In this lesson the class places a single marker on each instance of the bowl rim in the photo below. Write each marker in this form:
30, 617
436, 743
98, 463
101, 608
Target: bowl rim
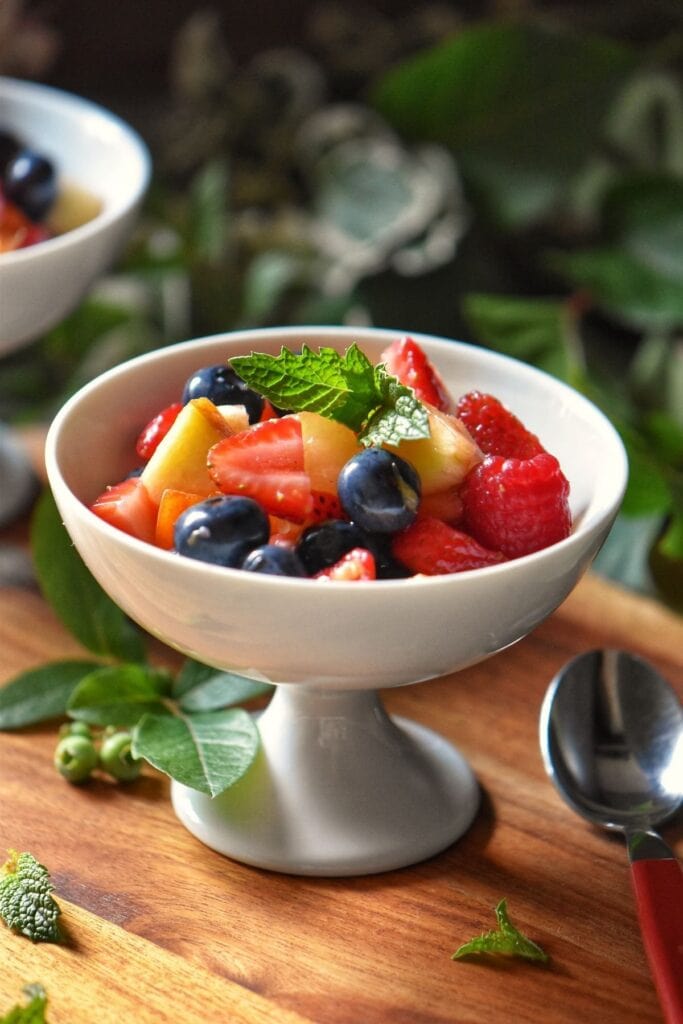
600, 518
60, 99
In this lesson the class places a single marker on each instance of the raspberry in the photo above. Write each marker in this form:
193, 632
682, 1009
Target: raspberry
433, 548
517, 505
496, 430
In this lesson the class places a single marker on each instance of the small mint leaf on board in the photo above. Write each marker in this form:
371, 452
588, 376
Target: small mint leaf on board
506, 940
208, 751
76, 597
199, 687
400, 417
32, 1012
41, 693
119, 695
26, 903
341, 387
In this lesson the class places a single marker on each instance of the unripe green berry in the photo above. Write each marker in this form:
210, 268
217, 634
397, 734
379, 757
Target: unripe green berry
75, 729
75, 757
116, 757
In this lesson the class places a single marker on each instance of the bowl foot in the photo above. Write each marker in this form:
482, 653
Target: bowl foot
338, 788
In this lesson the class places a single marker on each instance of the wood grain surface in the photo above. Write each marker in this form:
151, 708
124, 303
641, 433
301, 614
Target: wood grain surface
161, 928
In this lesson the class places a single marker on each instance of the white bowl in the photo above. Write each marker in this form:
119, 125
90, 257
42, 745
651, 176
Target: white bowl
91, 147
324, 735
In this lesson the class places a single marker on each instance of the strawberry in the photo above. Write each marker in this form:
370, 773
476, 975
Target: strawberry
433, 548
408, 362
157, 428
265, 462
128, 506
517, 505
496, 430
356, 564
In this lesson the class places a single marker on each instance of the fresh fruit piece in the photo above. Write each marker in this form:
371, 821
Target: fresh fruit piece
327, 446
433, 548
444, 505
443, 459
284, 532
179, 462
172, 504
322, 546
157, 428
236, 416
496, 430
221, 530
30, 183
221, 385
274, 560
357, 564
129, 507
407, 361
266, 462
16, 230
73, 207
379, 491
517, 505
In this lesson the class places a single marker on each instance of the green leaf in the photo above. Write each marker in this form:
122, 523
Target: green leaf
401, 417
208, 218
26, 903
76, 597
202, 688
537, 331
671, 544
647, 490
627, 289
644, 215
208, 751
41, 693
624, 555
506, 940
119, 695
32, 1012
533, 119
341, 387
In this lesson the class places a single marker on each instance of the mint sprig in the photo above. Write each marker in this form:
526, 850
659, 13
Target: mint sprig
344, 387
26, 903
505, 940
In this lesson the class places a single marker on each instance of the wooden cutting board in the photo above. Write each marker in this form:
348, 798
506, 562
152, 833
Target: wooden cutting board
162, 929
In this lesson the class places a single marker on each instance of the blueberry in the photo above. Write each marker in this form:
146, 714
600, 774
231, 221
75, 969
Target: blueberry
379, 491
221, 530
322, 546
9, 147
223, 387
31, 184
275, 560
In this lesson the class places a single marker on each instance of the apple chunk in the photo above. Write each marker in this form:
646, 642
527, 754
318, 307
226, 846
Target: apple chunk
443, 459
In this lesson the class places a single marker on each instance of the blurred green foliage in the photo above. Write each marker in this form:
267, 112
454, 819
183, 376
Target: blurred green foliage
515, 183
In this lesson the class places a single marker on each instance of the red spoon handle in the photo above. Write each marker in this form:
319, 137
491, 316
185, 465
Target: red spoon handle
658, 887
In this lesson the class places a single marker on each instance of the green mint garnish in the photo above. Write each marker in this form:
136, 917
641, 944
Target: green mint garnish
346, 388
26, 903
506, 940
32, 1012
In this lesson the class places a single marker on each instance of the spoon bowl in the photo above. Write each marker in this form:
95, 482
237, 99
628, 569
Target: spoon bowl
611, 733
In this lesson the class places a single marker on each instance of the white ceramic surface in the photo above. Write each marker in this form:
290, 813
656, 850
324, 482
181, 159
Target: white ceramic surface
93, 148
333, 638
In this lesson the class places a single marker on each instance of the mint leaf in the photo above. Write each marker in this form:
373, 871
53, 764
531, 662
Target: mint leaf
41, 693
26, 903
119, 695
199, 687
341, 387
32, 1012
208, 751
506, 940
76, 597
400, 417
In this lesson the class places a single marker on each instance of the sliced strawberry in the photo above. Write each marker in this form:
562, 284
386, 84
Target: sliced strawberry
157, 428
269, 412
129, 507
407, 361
326, 506
433, 548
356, 564
517, 505
265, 463
496, 430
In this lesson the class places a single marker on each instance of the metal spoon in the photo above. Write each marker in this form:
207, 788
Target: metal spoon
611, 733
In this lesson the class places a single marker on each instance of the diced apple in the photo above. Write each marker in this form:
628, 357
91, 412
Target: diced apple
236, 416
179, 463
444, 458
328, 445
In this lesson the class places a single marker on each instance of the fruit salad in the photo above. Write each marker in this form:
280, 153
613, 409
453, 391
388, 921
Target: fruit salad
33, 207
323, 465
